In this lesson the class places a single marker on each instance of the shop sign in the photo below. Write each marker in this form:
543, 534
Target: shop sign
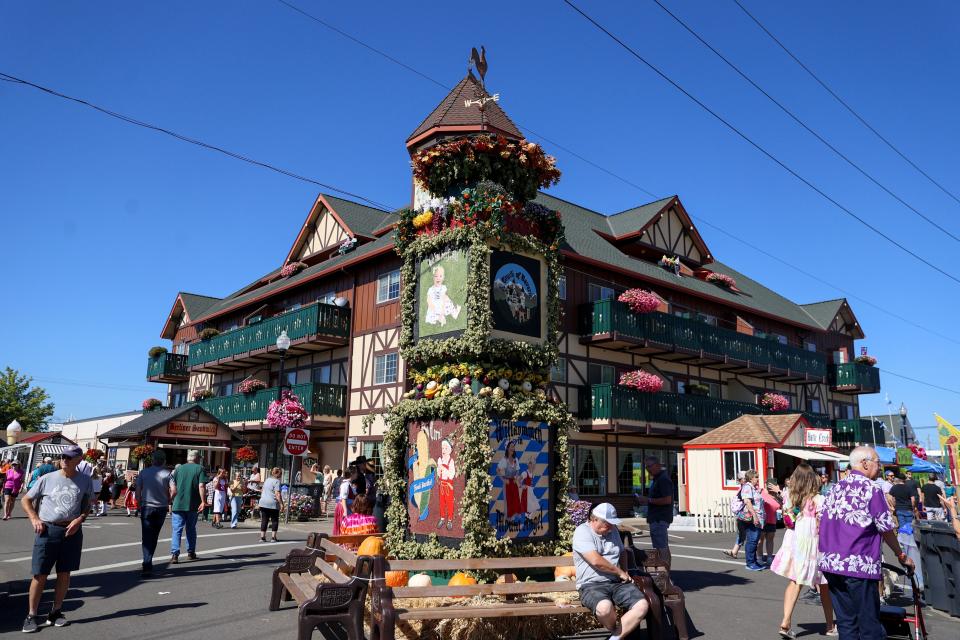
203, 429
295, 441
818, 438
904, 457
520, 500
435, 479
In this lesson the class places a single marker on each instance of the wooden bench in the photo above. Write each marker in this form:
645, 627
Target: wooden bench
651, 563
321, 603
386, 616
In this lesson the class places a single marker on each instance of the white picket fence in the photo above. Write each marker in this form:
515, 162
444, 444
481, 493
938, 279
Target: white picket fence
718, 519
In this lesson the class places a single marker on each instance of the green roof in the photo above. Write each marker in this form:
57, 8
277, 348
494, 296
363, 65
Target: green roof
824, 312
362, 219
196, 305
636, 218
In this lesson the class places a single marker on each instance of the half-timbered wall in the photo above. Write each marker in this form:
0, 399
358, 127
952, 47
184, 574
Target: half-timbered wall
326, 233
365, 395
672, 236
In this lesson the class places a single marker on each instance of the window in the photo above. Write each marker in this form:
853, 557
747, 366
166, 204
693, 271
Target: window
385, 368
562, 287
706, 318
733, 463
850, 412
588, 474
629, 470
177, 399
558, 372
226, 389
321, 374
254, 319
597, 292
813, 406
810, 346
372, 452
600, 374
181, 348
388, 286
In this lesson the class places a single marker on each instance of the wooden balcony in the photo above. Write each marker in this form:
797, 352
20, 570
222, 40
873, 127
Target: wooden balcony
167, 367
849, 433
854, 378
316, 327
612, 325
322, 402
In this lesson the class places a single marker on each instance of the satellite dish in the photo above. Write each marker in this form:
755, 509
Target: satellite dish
340, 302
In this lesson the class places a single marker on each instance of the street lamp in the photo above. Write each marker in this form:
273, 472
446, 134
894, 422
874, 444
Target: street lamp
903, 424
283, 343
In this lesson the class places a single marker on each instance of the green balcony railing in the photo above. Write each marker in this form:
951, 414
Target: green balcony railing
318, 399
612, 402
855, 377
608, 316
167, 365
854, 431
818, 420
316, 319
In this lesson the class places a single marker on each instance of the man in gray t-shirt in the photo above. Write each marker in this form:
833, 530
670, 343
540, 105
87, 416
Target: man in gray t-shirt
602, 579
153, 494
57, 505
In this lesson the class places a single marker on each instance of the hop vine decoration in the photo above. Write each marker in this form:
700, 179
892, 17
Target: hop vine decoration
287, 412
641, 381
774, 402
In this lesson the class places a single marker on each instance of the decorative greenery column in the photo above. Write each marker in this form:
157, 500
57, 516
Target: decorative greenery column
475, 455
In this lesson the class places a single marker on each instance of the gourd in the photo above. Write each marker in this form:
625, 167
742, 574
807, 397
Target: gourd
565, 572
420, 580
372, 546
398, 578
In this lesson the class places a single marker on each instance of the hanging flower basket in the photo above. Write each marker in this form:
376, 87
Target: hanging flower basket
287, 412
156, 352
774, 402
208, 333
92, 455
291, 268
202, 394
251, 385
867, 360
918, 451
143, 451
245, 453
151, 403
641, 381
722, 280
641, 300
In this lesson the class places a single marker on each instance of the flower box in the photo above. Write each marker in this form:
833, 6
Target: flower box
775, 402
641, 381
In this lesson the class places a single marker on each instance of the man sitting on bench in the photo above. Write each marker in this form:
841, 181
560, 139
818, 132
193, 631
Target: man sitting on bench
602, 579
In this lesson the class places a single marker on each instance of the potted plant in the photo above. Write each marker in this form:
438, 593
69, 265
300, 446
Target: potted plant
286, 412
870, 361
251, 385
698, 389
142, 451
641, 381
208, 333
774, 402
202, 394
721, 279
348, 245
670, 264
156, 352
640, 300
291, 268
150, 404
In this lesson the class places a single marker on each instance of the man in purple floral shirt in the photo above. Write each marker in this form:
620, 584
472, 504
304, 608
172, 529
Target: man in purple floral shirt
855, 519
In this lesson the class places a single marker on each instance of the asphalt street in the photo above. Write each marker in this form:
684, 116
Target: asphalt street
224, 593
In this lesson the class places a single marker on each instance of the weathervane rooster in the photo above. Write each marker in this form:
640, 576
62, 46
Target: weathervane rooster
478, 61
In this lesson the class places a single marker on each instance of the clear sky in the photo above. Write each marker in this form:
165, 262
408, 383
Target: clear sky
104, 222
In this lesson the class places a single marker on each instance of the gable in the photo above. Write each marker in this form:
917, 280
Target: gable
672, 233
327, 232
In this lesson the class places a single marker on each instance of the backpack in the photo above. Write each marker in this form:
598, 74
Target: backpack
736, 503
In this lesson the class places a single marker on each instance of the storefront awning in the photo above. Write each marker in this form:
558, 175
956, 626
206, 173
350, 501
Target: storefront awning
204, 447
52, 450
807, 454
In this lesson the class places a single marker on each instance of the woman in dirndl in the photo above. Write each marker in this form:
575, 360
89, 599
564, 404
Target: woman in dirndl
344, 500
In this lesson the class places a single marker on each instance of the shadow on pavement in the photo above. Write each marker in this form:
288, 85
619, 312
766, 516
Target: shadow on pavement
691, 581
144, 611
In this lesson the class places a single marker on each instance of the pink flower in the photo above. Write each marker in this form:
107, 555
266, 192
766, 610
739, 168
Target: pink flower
286, 412
291, 268
640, 300
722, 279
774, 402
865, 359
250, 385
641, 381
150, 404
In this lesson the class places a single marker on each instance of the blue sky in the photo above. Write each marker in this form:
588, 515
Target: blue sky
104, 222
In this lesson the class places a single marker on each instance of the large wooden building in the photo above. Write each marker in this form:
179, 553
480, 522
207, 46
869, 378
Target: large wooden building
719, 341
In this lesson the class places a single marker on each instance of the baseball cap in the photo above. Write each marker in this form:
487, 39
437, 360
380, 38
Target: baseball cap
16, 462
606, 511
48, 459
71, 452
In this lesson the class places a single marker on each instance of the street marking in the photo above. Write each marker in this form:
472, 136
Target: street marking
137, 544
687, 546
677, 555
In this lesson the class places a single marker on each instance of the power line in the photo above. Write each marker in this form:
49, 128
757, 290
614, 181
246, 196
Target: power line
803, 124
847, 106
400, 63
758, 147
442, 85
95, 385
928, 384
194, 141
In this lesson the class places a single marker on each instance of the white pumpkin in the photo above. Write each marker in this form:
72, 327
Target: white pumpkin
419, 580
454, 384
498, 392
504, 384
526, 386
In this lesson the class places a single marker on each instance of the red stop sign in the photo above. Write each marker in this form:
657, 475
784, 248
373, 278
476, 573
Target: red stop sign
295, 441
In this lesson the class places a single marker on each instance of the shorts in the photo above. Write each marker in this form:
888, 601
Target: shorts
770, 527
10, 492
53, 548
658, 535
622, 594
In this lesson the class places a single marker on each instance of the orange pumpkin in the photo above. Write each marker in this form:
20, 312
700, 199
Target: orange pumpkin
372, 546
565, 572
461, 579
397, 578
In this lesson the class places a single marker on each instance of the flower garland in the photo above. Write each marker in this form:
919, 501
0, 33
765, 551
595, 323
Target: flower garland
287, 412
521, 167
641, 381
150, 404
245, 453
142, 451
867, 360
291, 268
774, 402
640, 300
250, 385
721, 279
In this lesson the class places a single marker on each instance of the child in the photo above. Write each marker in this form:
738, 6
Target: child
439, 304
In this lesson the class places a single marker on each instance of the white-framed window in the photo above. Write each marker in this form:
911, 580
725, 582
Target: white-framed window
735, 462
385, 368
587, 466
815, 406
558, 372
600, 373
388, 286
562, 287
599, 292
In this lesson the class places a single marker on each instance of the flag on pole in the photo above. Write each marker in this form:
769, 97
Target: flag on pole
950, 445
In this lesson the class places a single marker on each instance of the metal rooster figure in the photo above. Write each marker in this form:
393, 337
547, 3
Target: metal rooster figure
478, 61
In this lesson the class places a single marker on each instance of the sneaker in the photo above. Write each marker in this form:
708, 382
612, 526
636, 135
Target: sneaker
146, 571
756, 567
833, 633
56, 619
274, 540
192, 555
30, 624
175, 558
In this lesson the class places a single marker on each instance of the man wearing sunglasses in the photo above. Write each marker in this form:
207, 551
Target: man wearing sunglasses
57, 504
